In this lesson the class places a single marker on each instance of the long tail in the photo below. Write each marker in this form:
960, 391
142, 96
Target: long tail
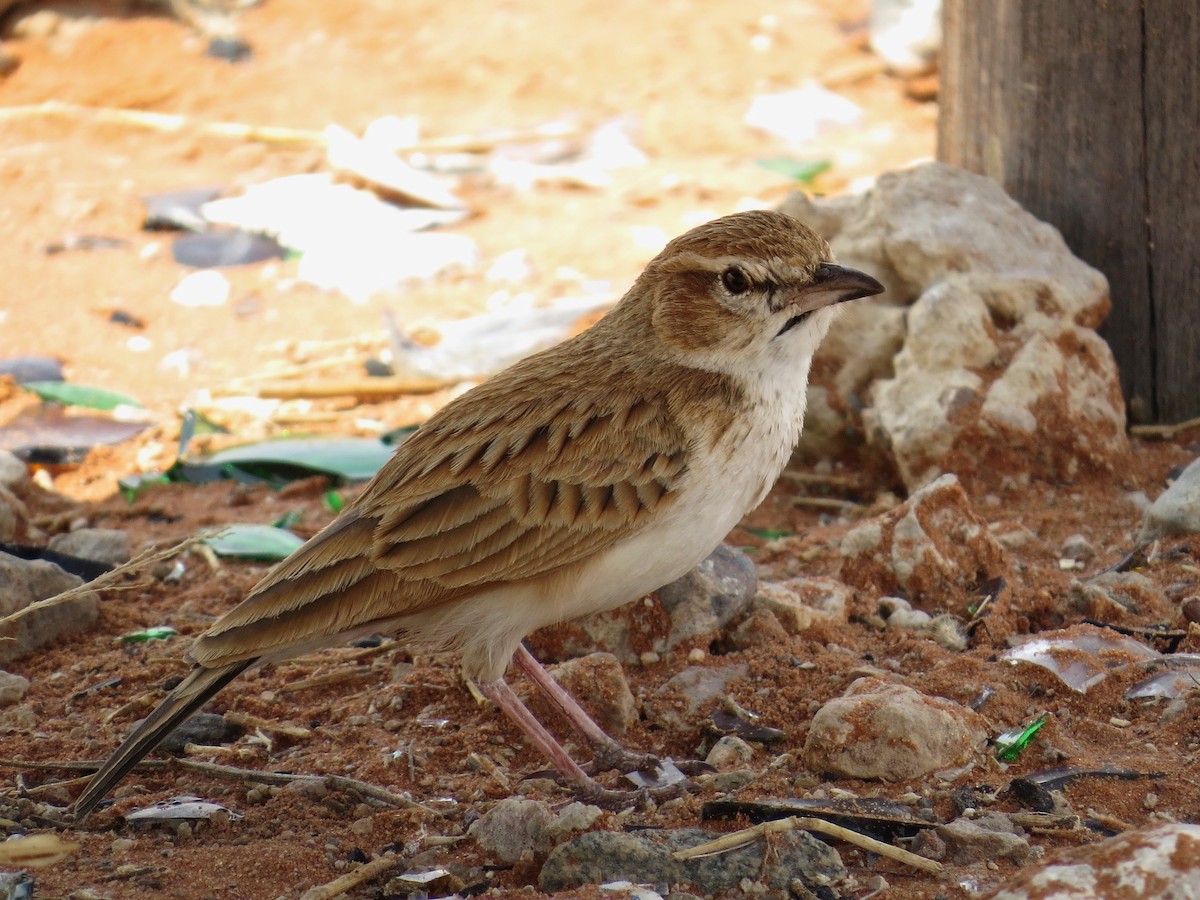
192, 693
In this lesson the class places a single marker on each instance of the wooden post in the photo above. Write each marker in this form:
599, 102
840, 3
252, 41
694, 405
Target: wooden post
1088, 113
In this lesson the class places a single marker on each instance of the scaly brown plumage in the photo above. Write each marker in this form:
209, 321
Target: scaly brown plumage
576, 480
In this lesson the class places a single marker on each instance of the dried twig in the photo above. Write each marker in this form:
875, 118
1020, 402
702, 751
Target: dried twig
826, 503
108, 581
337, 676
339, 886
736, 839
1163, 432
269, 134
360, 389
846, 481
233, 773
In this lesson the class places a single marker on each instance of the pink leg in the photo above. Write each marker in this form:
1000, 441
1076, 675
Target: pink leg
586, 786
560, 699
608, 753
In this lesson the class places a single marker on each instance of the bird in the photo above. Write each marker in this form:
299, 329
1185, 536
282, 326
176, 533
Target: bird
578, 479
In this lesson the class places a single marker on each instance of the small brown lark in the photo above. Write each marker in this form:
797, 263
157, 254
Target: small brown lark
575, 481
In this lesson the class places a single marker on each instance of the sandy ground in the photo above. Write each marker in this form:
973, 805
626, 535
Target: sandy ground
685, 73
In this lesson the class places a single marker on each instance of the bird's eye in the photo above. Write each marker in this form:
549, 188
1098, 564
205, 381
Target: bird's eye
735, 280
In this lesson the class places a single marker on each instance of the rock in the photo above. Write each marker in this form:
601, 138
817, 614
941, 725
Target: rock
24, 369
1112, 596
699, 604
707, 598
14, 517
890, 732
933, 549
13, 688
599, 857
730, 782
1161, 862
1177, 509
760, 628
859, 350
695, 690
571, 818
1047, 401
14, 474
799, 604
207, 729
26, 581
907, 34
1001, 369
203, 288
105, 545
598, 682
945, 629
988, 837
729, 753
1078, 548
514, 829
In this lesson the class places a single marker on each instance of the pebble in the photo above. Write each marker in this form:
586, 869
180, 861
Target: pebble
13, 688
891, 732
598, 682
208, 729
729, 752
985, 837
514, 829
599, 857
104, 545
26, 581
1159, 862
203, 288
1078, 549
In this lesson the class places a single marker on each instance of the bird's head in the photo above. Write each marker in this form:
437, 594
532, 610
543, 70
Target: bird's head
754, 288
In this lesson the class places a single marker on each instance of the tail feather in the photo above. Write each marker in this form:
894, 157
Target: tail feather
192, 693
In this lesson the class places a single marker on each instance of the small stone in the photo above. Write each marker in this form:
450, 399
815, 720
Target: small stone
203, 288
105, 545
760, 629
514, 829
731, 782
933, 549
598, 682
120, 845
974, 841
572, 818
1159, 862
1177, 509
27, 581
696, 689
208, 729
1191, 609
729, 752
599, 857
1150, 801
363, 826
14, 474
13, 688
1078, 548
802, 603
891, 732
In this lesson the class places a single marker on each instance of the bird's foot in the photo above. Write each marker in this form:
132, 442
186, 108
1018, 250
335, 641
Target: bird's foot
610, 798
612, 757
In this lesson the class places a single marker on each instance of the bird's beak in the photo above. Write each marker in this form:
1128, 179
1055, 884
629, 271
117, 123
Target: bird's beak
835, 284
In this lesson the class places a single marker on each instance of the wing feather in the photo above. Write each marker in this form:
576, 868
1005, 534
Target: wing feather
499, 487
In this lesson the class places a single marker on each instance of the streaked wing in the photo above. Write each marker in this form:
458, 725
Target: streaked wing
502, 490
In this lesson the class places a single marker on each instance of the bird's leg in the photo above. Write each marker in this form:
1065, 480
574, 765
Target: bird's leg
586, 786
607, 753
